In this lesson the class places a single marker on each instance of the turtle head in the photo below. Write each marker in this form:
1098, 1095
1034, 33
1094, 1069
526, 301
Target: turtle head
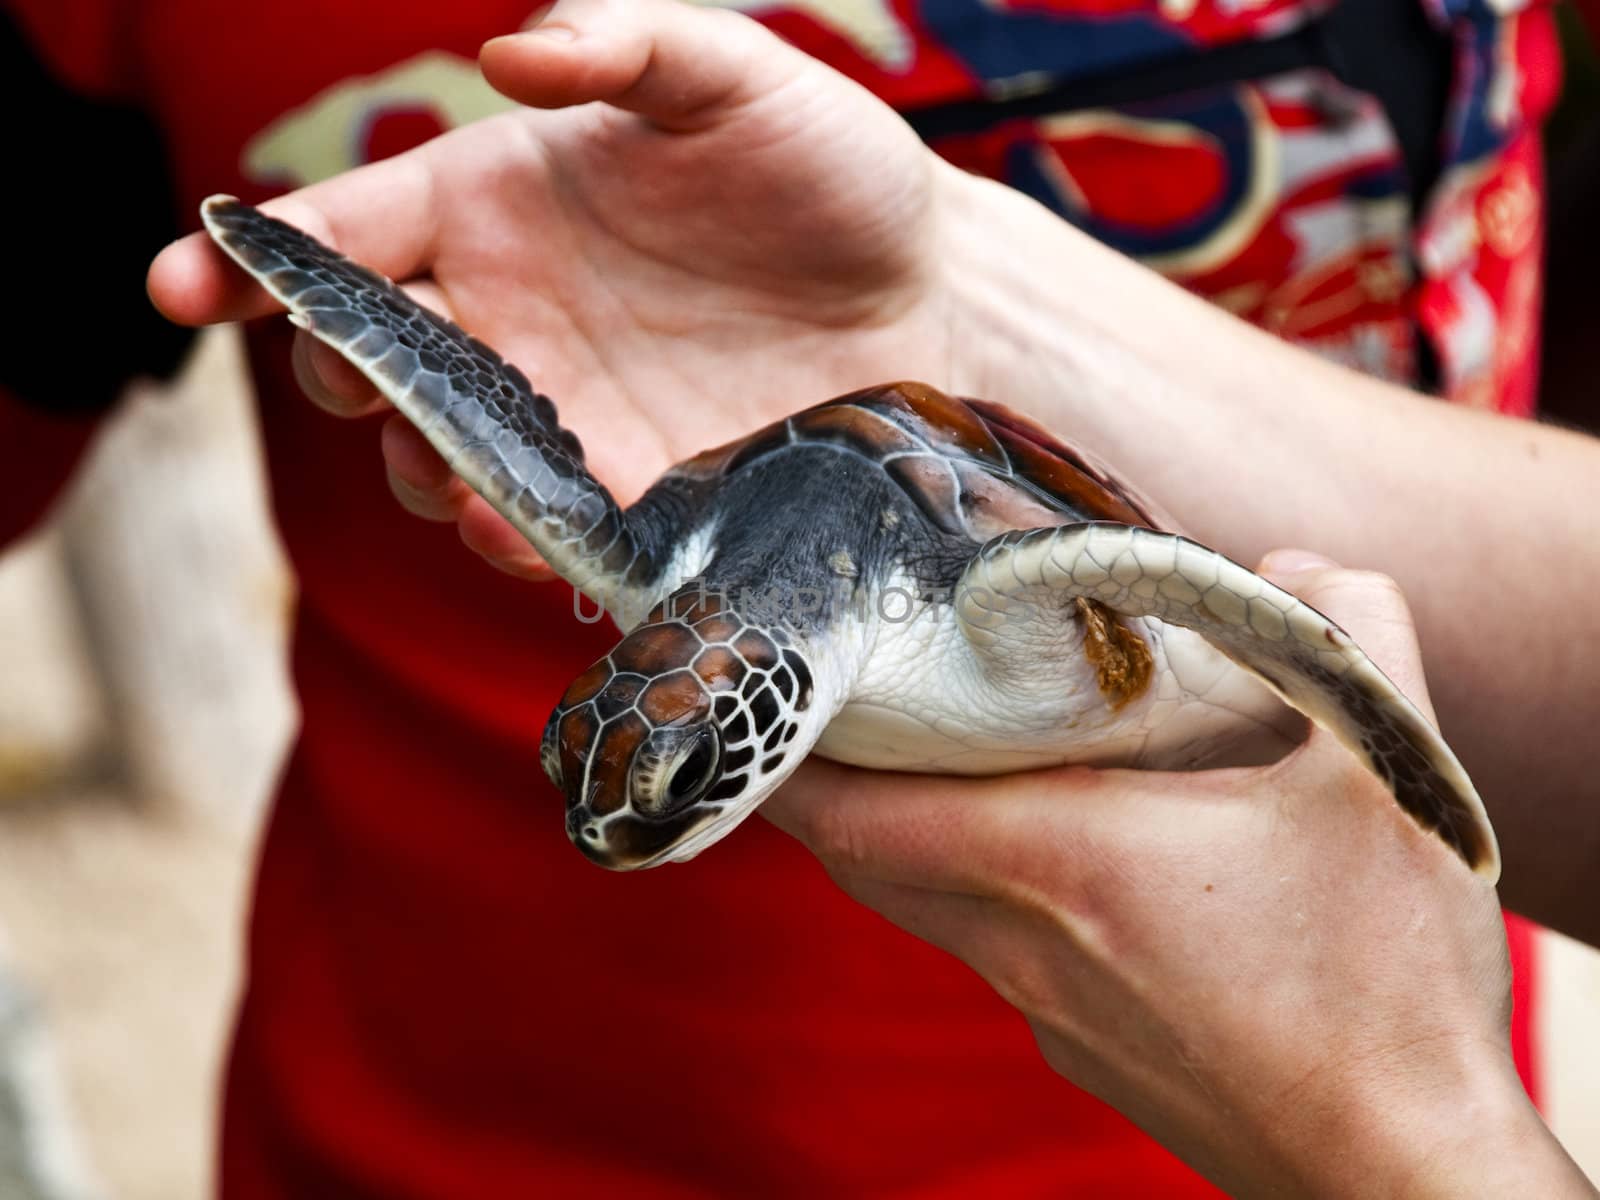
673, 738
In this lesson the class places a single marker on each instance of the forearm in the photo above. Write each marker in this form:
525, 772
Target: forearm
1471, 1132
1487, 524
1499, 1148
1472, 1135
1463, 1144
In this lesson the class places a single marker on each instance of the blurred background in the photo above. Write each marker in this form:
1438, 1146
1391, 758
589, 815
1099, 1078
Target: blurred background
144, 713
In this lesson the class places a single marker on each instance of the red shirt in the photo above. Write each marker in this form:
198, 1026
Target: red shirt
444, 999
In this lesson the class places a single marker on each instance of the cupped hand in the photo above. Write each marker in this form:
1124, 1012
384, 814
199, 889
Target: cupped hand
694, 230
1272, 970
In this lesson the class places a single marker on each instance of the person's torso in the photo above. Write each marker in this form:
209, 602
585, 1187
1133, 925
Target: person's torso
445, 998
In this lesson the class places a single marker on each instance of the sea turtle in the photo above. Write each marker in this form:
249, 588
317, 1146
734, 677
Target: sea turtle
895, 578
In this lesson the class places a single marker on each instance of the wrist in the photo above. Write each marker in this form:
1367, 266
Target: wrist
1009, 268
1144, 375
1055, 320
1439, 1128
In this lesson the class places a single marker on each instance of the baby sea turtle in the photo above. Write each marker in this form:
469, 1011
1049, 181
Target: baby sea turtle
894, 578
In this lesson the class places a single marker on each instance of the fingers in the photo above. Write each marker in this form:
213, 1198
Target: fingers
425, 485
418, 476
680, 65
330, 382
489, 534
384, 215
929, 831
862, 823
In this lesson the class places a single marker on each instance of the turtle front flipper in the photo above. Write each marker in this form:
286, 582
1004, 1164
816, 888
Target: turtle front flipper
1303, 656
476, 409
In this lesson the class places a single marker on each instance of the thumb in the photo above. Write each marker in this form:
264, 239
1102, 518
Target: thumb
1368, 605
678, 64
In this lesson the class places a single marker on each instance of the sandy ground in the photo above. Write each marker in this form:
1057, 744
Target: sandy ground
126, 926
123, 875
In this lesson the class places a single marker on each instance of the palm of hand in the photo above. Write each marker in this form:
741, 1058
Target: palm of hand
675, 289
696, 231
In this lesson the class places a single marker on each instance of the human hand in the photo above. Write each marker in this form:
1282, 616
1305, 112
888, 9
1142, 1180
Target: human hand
1271, 969
735, 233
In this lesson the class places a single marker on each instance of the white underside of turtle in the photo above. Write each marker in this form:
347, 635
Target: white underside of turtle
926, 700
895, 579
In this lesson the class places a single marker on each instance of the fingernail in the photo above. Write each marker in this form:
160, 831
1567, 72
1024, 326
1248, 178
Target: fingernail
553, 33
1290, 561
310, 379
535, 569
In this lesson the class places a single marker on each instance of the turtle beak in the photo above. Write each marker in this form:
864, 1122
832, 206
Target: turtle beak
626, 842
588, 835
588, 832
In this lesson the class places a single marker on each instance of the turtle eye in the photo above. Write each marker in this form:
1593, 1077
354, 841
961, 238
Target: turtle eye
693, 773
677, 768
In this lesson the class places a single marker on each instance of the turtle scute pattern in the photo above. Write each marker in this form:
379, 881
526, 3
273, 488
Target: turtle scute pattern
692, 655
479, 411
971, 468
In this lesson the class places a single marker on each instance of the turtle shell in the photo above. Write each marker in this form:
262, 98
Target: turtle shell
974, 468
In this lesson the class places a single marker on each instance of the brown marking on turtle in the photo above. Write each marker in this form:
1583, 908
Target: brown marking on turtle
1044, 460
585, 686
620, 694
709, 464
718, 627
949, 423
756, 649
1068, 481
771, 438
576, 735
856, 426
719, 668
673, 698
618, 741
655, 649
941, 449
931, 484
1121, 660
1419, 790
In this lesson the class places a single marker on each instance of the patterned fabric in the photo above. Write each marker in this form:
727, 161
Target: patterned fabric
1284, 199
1480, 245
